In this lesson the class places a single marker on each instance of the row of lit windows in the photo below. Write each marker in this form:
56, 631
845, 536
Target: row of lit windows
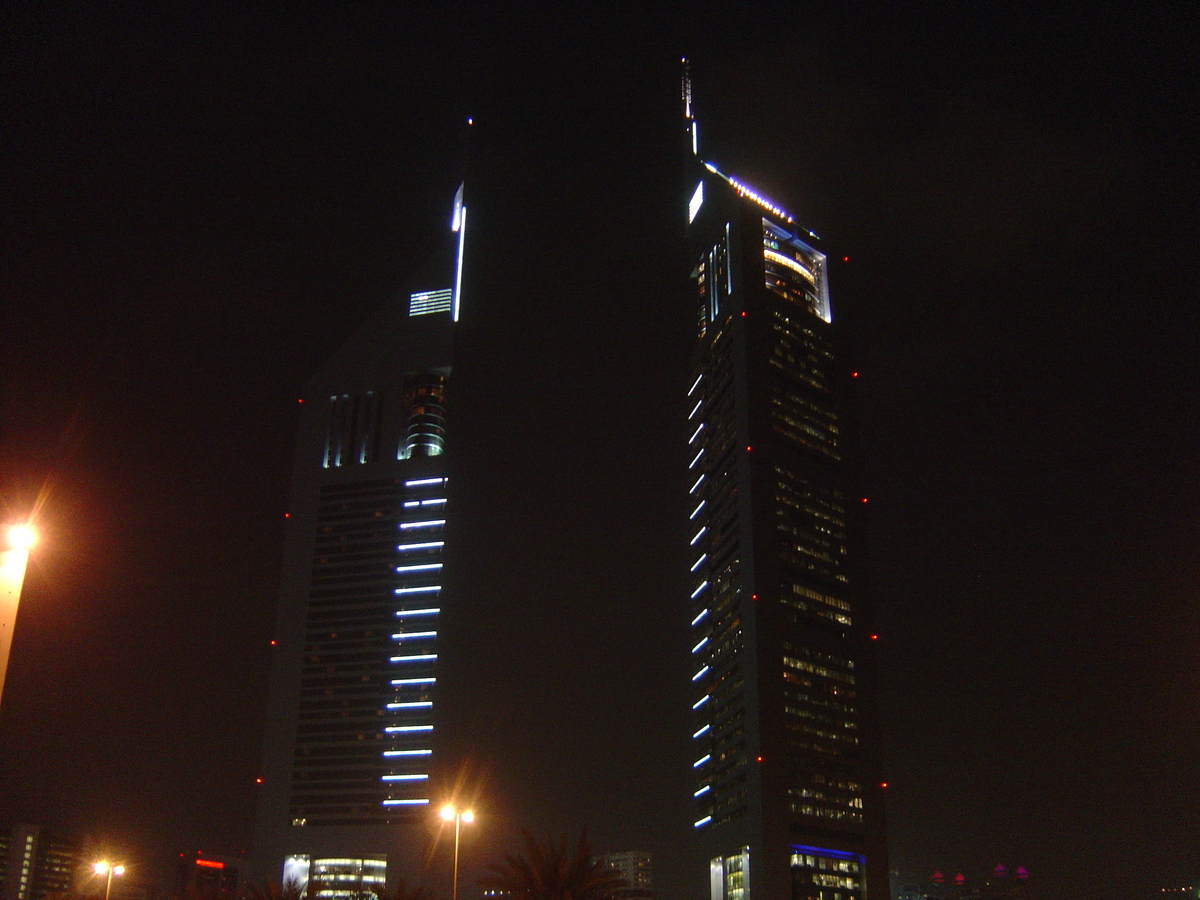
825, 812
838, 700
803, 665
809, 794
797, 712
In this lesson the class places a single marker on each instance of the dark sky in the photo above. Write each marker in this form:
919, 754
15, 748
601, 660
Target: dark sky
199, 205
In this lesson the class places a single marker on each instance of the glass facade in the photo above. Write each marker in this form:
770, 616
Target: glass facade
784, 732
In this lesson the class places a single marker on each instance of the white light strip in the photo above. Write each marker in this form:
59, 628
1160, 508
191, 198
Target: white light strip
423, 481
462, 236
394, 729
692, 489
700, 616
431, 611
428, 523
423, 567
418, 658
416, 704
696, 592
400, 681
695, 409
699, 703
701, 761
696, 511
728, 269
404, 778
696, 433
698, 563
701, 731
427, 589
703, 822
703, 671
427, 545
695, 384
699, 534
703, 641
704, 790
413, 635
694, 461
407, 752
418, 802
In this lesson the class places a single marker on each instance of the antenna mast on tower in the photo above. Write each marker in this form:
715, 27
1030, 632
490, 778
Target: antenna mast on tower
689, 121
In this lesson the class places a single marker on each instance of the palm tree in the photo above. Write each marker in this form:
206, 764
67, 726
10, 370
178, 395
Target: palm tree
549, 871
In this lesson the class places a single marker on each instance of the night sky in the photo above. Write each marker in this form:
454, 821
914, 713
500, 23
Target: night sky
200, 204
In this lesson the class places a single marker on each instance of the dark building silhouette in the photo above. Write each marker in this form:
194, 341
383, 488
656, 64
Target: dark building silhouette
788, 796
209, 877
349, 736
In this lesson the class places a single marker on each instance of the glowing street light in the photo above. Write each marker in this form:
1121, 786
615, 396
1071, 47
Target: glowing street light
14, 557
104, 867
459, 816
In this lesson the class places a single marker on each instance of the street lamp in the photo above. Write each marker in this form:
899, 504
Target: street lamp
14, 557
104, 867
449, 811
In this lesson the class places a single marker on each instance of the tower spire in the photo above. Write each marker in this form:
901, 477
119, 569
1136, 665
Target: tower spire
689, 121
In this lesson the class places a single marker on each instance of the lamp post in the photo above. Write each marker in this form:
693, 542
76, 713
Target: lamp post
104, 867
459, 816
14, 557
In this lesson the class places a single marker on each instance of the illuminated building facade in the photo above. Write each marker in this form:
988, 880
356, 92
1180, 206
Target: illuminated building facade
349, 736
636, 872
37, 863
785, 754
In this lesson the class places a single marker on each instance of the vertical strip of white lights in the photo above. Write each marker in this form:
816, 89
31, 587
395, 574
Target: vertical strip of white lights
462, 237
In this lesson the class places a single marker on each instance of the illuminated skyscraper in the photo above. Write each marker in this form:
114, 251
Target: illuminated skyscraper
349, 737
789, 804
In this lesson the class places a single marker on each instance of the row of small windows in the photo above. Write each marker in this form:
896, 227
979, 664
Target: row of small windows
826, 812
825, 863
829, 695
793, 594
817, 662
793, 421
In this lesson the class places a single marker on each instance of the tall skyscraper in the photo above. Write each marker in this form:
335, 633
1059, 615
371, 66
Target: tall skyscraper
37, 863
789, 804
351, 711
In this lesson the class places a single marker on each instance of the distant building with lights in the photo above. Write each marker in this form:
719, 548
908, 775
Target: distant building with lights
215, 877
37, 862
785, 751
346, 779
635, 870
1001, 883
